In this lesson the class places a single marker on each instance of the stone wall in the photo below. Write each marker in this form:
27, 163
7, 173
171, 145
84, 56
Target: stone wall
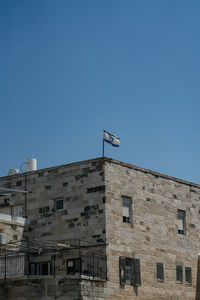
152, 235
92, 212
52, 288
12, 228
79, 185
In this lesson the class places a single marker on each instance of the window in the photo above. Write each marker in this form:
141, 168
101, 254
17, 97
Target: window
59, 204
43, 210
188, 275
181, 221
160, 272
47, 187
179, 274
129, 271
43, 268
126, 209
73, 266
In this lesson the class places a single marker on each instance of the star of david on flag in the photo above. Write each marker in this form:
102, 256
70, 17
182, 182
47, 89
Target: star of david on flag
111, 139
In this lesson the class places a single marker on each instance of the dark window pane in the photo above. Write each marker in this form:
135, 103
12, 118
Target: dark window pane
73, 266
137, 273
188, 275
179, 274
59, 204
160, 271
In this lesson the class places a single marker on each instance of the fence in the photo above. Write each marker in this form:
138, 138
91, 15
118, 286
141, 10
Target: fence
12, 265
65, 263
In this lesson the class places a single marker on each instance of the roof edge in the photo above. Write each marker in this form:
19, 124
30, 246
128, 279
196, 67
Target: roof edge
110, 160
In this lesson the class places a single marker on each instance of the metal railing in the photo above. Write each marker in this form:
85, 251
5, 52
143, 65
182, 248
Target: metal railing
66, 263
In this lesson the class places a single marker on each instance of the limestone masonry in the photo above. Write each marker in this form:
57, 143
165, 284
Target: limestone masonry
99, 229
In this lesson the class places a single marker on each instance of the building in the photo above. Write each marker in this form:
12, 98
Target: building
99, 229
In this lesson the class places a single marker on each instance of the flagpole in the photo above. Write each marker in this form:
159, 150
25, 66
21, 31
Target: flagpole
103, 146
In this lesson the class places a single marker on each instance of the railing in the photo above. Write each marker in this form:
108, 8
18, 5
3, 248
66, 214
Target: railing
67, 263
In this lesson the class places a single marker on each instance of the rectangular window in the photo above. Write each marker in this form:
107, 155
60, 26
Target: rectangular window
188, 275
73, 266
126, 212
160, 272
43, 268
181, 221
129, 271
47, 187
179, 274
59, 204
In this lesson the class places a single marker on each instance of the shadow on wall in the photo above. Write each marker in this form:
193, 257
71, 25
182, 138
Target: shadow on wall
198, 280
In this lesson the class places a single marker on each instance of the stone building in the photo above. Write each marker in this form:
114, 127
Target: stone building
99, 229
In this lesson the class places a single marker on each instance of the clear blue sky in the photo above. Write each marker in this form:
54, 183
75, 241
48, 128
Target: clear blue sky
70, 68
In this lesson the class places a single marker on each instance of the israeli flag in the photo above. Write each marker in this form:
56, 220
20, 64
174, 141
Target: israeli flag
111, 139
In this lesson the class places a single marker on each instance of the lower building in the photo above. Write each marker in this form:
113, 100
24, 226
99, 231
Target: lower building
99, 229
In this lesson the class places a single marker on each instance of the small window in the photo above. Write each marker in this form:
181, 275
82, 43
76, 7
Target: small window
43, 268
126, 209
65, 184
160, 272
188, 275
181, 222
43, 210
47, 187
179, 274
73, 266
19, 183
59, 204
129, 271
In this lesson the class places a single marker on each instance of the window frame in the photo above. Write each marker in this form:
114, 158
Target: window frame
73, 270
129, 271
179, 273
59, 201
37, 268
160, 272
183, 219
190, 275
127, 203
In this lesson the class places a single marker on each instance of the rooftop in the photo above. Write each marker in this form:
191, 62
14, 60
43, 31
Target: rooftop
109, 160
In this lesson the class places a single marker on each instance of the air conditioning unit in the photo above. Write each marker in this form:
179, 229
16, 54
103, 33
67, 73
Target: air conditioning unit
2, 239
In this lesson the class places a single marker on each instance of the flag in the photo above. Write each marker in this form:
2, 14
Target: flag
111, 139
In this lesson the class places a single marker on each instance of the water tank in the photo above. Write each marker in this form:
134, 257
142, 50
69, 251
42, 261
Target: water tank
13, 171
31, 164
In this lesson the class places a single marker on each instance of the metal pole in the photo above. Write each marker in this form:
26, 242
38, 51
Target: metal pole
5, 268
25, 204
103, 147
54, 264
80, 258
28, 260
93, 264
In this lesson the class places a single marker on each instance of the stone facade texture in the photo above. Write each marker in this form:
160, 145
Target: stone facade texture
91, 193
